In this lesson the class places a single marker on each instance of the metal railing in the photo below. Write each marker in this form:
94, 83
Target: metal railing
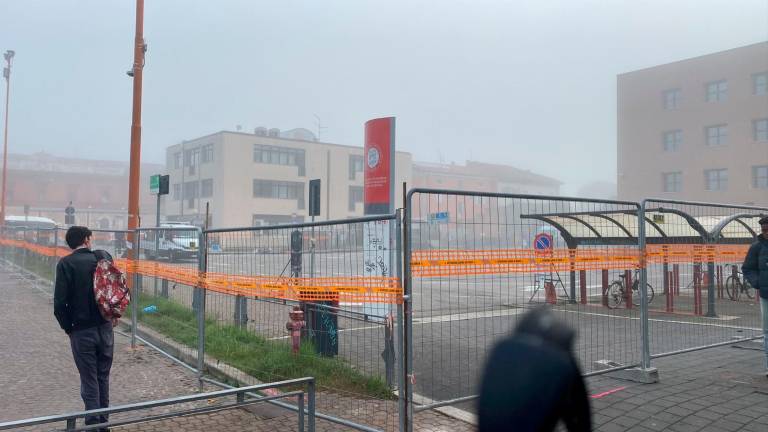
240, 394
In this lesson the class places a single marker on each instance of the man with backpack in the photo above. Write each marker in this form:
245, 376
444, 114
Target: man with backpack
755, 269
90, 334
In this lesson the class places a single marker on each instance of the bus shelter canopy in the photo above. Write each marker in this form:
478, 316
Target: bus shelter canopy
662, 226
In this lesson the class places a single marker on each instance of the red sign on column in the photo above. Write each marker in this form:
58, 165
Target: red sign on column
379, 166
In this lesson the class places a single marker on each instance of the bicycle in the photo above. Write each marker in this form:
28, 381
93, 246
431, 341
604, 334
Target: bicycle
735, 285
617, 291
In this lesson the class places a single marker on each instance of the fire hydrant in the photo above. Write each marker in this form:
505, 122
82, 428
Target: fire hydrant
294, 326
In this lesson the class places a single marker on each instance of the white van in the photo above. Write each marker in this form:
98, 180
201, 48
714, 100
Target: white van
173, 245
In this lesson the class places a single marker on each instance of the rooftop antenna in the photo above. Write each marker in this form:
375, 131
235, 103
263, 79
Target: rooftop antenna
320, 127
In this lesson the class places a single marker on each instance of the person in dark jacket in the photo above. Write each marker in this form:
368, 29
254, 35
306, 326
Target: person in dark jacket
531, 381
755, 269
90, 335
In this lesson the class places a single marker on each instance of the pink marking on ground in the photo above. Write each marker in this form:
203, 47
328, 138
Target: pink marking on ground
606, 393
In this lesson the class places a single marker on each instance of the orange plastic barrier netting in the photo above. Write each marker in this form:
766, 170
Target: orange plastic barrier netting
476, 262
471, 262
352, 289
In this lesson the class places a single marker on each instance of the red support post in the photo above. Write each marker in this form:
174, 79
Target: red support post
670, 292
719, 281
697, 282
676, 279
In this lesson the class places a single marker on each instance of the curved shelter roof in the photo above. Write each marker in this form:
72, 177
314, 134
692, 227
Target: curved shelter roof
662, 225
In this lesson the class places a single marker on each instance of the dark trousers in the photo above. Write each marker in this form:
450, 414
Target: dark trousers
92, 349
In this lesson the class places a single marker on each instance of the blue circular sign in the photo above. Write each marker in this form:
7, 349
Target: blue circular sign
542, 242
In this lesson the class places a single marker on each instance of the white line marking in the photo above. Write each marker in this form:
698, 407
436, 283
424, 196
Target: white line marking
662, 320
469, 316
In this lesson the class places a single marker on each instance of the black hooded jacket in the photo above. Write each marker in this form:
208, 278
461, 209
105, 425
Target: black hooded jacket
755, 267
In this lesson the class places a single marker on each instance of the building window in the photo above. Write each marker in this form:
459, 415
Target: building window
760, 84
673, 181
760, 129
717, 91
176, 192
207, 155
673, 140
355, 196
672, 99
71, 192
717, 135
177, 160
191, 190
206, 188
192, 157
760, 177
279, 156
355, 165
716, 179
106, 194
279, 190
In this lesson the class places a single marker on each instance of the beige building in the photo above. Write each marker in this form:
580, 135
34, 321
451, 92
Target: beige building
263, 178
696, 129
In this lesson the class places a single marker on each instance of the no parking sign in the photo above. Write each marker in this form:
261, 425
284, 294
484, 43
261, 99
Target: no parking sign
542, 243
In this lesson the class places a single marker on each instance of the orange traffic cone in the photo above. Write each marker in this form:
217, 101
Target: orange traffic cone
549, 292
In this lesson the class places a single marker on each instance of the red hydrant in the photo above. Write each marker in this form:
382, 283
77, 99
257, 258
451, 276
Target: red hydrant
294, 326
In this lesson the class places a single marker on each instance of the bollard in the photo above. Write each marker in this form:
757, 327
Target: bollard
241, 311
295, 325
583, 286
605, 287
628, 288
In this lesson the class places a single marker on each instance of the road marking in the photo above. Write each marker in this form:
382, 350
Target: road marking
662, 321
469, 316
606, 393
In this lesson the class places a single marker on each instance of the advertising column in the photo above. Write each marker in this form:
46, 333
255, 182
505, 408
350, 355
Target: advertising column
378, 198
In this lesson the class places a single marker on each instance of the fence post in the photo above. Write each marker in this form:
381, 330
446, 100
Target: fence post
399, 331
643, 289
604, 274
55, 253
408, 314
301, 412
697, 276
136, 291
311, 405
583, 286
202, 263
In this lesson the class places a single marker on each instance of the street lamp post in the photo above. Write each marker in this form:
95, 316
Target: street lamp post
7, 75
136, 72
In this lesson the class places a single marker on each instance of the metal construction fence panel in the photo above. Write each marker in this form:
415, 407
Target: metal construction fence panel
694, 253
312, 300
476, 262
168, 297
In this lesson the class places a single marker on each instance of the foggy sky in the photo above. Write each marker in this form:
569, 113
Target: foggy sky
527, 83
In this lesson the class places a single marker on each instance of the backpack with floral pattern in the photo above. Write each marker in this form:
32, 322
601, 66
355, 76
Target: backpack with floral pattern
109, 287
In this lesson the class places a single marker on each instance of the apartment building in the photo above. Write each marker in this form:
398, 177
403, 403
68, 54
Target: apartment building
696, 129
262, 178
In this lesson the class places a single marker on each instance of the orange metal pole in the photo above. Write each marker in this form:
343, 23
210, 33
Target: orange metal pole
135, 169
5, 136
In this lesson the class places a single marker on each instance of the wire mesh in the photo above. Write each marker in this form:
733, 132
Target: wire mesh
339, 275
167, 292
479, 261
695, 252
